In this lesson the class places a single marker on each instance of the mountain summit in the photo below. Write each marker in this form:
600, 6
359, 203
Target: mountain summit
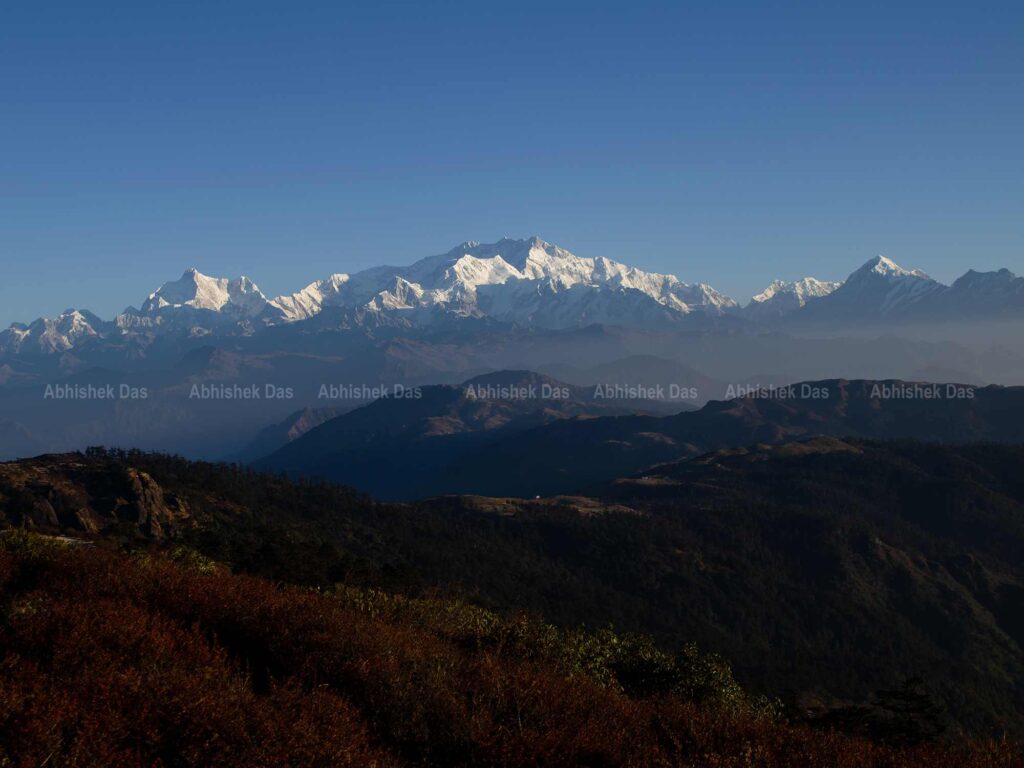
782, 298
880, 288
197, 291
883, 265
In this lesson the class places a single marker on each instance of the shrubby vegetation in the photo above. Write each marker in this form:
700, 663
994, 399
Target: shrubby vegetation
829, 577
111, 659
628, 663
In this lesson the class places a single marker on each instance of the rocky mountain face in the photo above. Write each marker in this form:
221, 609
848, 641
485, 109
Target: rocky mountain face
74, 495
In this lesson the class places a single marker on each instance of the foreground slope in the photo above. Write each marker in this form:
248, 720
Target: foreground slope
109, 660
825, 571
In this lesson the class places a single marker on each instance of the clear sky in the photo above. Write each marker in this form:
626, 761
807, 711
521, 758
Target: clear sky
729, 142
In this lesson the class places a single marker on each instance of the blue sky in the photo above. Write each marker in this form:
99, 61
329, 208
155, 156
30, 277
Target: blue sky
729, 142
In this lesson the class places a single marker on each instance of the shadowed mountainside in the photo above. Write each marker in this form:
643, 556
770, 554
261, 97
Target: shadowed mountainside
395, 446
571, 455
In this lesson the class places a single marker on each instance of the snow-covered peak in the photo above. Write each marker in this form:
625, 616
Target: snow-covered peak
53, 334
800, 290
194, 290
879, 288
476, 263
774, 288
781, 297
530, 267
886, 267
310, 300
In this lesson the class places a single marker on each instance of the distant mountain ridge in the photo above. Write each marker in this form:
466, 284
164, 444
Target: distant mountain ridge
575, 450
527, 283
399, 442
569, 456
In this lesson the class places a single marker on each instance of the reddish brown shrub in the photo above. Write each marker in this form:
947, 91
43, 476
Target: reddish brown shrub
109, 660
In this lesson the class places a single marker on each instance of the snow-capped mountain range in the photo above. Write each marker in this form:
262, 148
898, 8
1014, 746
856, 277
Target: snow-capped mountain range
528, 283
514, 281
